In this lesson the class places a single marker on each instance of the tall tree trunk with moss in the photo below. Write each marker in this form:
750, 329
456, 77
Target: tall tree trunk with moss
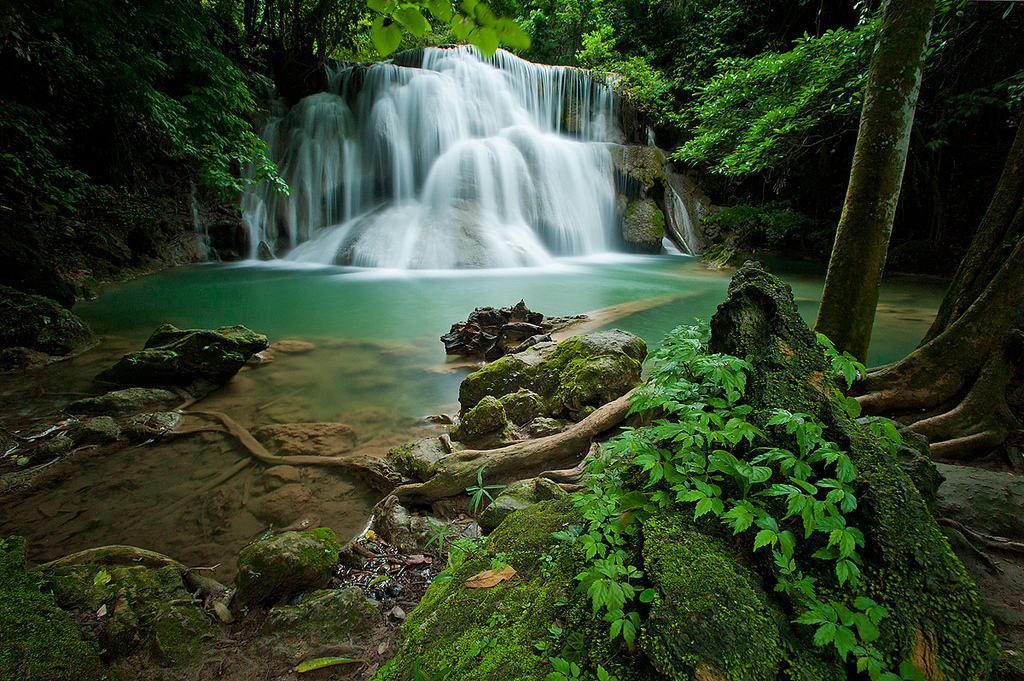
956, 387
855, 270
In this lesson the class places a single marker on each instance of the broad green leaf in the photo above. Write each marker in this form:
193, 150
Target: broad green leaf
385, 38
461, 27
512, 35
484, 39
845, 640
441, 9
826, 633
382, 6
910, 672
412, 19
765, 538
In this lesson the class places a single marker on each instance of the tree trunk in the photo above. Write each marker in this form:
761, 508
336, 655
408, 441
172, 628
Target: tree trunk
1004, 217
855, 269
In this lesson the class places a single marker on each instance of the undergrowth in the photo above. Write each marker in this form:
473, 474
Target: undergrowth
769, 476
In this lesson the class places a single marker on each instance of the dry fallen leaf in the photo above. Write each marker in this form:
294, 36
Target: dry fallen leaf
488, 578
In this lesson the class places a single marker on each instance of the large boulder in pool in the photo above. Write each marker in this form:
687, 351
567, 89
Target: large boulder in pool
175, 356
568, 379
40, 324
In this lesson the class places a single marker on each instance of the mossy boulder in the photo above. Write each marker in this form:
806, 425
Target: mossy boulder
711, 618
570, 378
39, 641
323, 618
503, 623
38, 323
643, 226
486, 425
418, 459
516, 496
175, 356
137, 611
290, 563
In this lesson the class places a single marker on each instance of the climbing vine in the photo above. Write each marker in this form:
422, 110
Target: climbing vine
705, 451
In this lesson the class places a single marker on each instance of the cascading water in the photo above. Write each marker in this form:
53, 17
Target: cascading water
463, 162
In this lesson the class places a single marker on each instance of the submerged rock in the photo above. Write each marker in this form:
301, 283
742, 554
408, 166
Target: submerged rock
123, 401
40, 324
290, 563
312, 439
175, 356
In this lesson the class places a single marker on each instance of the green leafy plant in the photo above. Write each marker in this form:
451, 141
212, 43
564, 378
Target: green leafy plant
471, 21
478, 491
777, 486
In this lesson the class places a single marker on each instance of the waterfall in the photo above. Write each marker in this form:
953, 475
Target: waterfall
460, 162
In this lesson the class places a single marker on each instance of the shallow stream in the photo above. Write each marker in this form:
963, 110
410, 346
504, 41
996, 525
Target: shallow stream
376, 365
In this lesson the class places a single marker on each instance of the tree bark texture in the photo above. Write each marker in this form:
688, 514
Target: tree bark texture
1003, 218
848, 302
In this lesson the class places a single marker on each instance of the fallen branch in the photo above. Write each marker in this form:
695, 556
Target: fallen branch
458, 470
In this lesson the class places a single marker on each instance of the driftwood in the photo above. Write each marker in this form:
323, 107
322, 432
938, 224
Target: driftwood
131, 556
458, 470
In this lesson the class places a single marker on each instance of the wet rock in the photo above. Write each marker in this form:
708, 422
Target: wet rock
988, 502
491, 333
19, 359
124, 401
284, 505
40, 324
290, 563
485, 425
312, 439
522, 406
518, 495
280, 474
40, 641
643, 226
94, 431
179, 357
418, 459
580, 372
320, 619
58, 445
292, 347
542, 426
408, 533
129, 610
148, 425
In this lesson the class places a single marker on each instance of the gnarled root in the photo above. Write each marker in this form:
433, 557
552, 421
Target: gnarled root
458, 470
376, 472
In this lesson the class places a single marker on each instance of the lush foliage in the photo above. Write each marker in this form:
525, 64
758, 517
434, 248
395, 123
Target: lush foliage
771, 478
97, 88
472, 21
765, 113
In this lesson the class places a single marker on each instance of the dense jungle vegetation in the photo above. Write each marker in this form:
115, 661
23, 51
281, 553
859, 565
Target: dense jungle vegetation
112, 108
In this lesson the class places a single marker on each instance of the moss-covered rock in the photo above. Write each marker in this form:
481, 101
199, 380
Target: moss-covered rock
936, 618
178, 357
395, 525
322, 618
516, 496
39, 640
500, 624
485, 425
418, 459
38, 323
580, 372
290, 563
137, 611
710, 619
643, 226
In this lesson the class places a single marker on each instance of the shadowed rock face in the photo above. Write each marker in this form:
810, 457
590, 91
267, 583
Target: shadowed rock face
175, 356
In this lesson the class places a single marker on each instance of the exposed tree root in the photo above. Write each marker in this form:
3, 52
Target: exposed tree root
458, 470
375, 471
989, 542
131, 556
572, 477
